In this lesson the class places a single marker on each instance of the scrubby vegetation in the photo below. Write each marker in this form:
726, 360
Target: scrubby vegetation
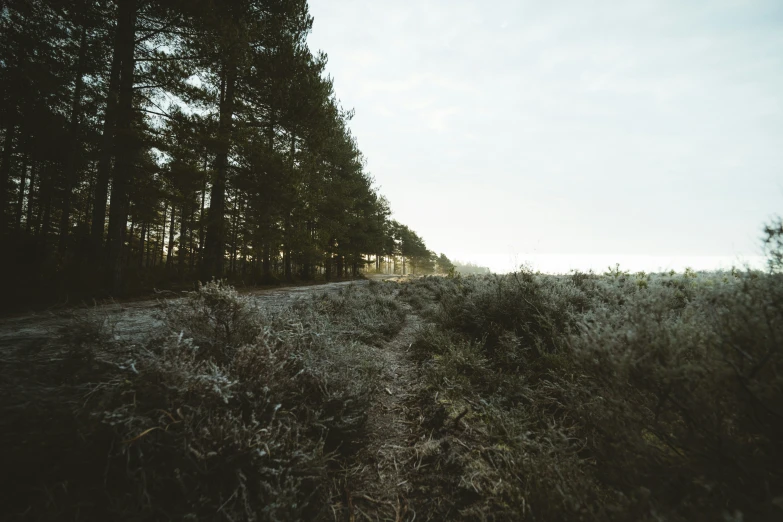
229, 412
615, 396
601, 397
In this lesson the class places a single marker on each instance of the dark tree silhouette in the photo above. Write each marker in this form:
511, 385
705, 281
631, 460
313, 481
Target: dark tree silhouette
151, 143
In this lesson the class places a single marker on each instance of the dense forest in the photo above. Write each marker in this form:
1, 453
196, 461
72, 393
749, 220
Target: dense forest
150, 143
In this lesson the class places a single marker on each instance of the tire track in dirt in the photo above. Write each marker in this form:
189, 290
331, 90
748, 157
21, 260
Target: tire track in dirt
375, 483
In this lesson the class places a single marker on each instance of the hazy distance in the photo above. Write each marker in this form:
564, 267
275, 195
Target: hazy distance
568, 134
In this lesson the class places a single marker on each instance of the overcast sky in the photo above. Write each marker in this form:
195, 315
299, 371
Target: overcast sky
501, 130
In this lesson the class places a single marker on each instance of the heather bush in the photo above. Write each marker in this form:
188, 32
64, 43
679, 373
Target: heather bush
215, 317
370, 314
230, 412
695, 393
618, 396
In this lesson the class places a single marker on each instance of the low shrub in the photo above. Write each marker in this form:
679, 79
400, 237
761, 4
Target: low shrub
370, 314
587, 397
230, 412
215, 317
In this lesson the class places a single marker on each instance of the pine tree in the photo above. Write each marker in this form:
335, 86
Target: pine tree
207, 131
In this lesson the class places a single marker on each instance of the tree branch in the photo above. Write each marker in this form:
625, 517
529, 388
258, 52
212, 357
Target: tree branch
149, 86
158, 31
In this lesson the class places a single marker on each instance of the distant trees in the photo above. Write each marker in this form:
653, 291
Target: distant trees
773, 244
411, 248
470, 268
148, 142
444, 264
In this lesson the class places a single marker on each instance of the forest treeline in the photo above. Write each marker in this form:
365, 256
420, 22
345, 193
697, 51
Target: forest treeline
146, 142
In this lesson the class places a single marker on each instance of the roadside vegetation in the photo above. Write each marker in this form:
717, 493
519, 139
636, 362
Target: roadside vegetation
601, 397
526, 396
228, 412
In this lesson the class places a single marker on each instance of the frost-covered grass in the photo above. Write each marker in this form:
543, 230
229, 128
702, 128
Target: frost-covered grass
603, 397
228, 413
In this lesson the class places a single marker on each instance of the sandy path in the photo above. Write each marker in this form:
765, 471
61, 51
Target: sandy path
375, 483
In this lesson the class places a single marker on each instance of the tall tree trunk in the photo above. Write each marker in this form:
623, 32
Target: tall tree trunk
73, 131
30, 192
287, 264
163, 230
307, 266
150, 244
87, 210
215, 242
288, 232
170, 249
5, 171
234, 231
20, 197
125, 141
131, 230
142, 237
106, 153
267, 262
43, 197
183, 234
201, 218
192, 240
46, 214
287, 250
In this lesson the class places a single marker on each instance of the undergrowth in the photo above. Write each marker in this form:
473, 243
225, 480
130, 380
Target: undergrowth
602, 397
229, 412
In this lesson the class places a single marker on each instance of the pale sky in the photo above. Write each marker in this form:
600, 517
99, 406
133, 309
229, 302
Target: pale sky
502, 131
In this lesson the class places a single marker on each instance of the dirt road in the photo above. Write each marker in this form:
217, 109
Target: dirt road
138, 317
